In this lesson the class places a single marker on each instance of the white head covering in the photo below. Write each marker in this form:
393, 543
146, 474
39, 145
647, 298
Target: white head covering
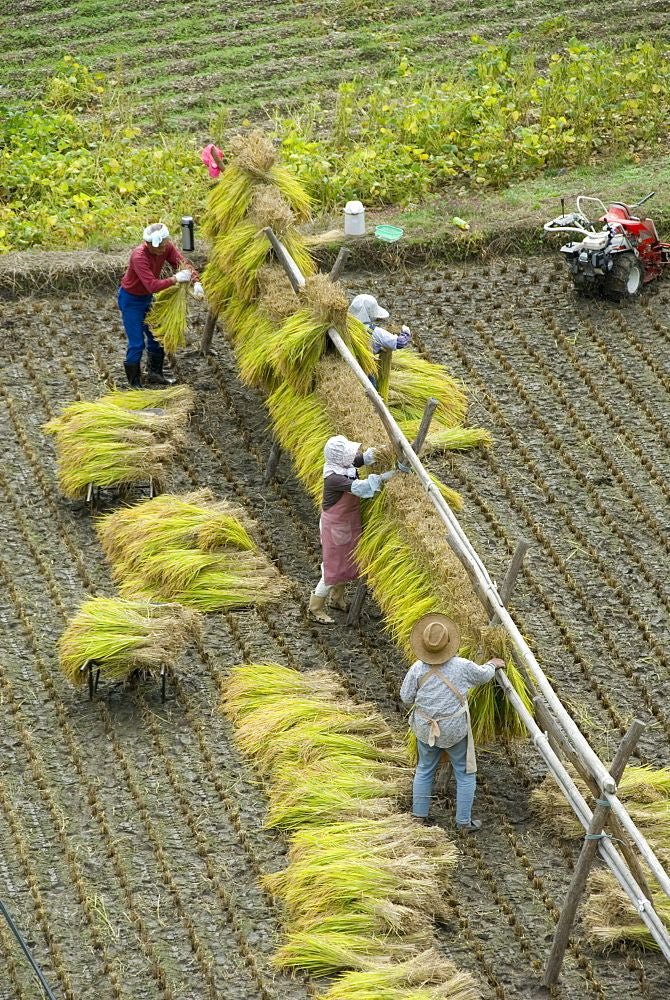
339, 453
156, 233
367, 309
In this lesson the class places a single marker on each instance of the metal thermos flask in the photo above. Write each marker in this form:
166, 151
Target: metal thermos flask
187, 240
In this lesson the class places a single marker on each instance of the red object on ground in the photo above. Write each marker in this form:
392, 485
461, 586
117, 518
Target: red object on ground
141, 277
340, 534
643, 236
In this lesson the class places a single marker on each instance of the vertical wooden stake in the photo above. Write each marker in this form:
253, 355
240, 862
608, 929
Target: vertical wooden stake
357, 602
273, 462
384, 372
507, 585
208, 333
586, 856
339, 265
418, 442
562, 747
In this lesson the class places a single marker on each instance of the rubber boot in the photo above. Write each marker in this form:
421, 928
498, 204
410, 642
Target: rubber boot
316, 606
133, 375
337, 597
155, 370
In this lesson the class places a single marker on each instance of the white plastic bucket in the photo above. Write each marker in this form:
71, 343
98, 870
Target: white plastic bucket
354, 219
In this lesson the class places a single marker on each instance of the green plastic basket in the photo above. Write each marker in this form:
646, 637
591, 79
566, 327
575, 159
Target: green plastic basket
389, 234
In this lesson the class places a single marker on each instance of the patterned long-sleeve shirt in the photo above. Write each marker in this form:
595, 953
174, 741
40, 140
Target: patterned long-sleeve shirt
438, 702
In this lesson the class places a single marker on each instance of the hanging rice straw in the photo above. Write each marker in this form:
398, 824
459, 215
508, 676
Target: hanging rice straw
252, 161
414, 380
123, 636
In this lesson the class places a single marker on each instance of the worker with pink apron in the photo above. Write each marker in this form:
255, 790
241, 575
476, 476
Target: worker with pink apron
436, 686
340, 523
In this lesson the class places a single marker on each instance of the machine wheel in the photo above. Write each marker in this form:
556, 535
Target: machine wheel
584, 284
626, 277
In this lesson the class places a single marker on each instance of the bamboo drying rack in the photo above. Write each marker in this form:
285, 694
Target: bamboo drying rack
555, 712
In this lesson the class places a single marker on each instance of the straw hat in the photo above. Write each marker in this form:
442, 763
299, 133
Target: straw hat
435, 638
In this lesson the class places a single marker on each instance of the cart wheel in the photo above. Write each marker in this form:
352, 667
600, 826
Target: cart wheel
584, 285
625, 279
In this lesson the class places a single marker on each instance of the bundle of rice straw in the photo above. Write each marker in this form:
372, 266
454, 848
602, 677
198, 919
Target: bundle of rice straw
252, 161
118, 439
192, 549
363, 882
302, 339
123, 636
167, 318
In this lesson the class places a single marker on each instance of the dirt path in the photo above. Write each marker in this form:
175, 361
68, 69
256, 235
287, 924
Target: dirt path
132, 831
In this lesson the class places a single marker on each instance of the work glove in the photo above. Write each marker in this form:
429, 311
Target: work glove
375, 482
182, 276
385, 476
404, 336
198, 291
369, 456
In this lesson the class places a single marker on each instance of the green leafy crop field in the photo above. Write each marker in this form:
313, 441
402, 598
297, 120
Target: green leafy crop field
181, 63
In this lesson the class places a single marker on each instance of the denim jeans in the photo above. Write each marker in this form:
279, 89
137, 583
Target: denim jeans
429, 758
133, 310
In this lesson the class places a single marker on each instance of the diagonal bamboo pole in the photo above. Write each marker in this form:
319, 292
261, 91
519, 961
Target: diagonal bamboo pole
483, 585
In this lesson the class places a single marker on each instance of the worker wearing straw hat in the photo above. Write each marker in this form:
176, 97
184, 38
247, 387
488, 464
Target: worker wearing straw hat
138, 285
340, 523
436, 687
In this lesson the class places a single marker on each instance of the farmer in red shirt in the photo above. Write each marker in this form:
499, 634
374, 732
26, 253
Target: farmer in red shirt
136, 293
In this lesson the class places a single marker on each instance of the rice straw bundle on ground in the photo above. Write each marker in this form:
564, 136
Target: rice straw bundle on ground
123, 636
177, 400
191, 549
167, 318
359, 869
609, 919
303, 338
644, 790
427, 976
252, 161
363, 883
106, 444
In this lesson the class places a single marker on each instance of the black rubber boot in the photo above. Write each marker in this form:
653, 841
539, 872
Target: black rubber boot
155, 370
133, 375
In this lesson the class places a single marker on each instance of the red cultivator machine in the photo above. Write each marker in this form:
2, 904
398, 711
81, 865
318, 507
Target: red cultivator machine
618, 253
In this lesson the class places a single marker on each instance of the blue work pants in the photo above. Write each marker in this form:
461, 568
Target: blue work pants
133, 312
429, 758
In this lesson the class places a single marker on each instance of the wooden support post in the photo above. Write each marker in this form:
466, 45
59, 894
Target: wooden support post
562, 747
208, 333
273, 462
507, 585
593, 836
339, 265
357, 602
418, 442
384, 372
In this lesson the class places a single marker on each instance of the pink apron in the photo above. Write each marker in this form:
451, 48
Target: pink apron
340, 532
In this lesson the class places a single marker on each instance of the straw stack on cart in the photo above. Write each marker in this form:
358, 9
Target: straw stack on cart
120, 439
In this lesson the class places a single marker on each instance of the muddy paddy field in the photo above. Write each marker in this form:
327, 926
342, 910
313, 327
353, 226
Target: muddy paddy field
131, 832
